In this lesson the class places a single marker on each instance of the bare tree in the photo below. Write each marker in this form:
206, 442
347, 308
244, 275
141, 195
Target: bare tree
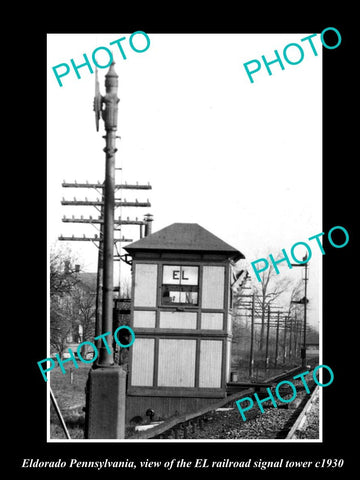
295, 296
63, 278
125, 289
63, 272
84, 299
60, 323
267, 291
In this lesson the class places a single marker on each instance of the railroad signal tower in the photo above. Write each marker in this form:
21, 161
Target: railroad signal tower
181, 315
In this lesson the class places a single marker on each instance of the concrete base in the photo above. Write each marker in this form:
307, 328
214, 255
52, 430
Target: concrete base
105, 403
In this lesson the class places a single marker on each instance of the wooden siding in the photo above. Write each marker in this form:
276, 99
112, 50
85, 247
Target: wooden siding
212, 321
145, 285
180, 351
143, 362
176, 365
213, 287
144, 319
178, 320
210, 363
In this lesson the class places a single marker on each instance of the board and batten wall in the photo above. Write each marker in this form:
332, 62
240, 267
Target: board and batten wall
180, 349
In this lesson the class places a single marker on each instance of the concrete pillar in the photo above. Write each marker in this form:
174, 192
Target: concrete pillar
105, 400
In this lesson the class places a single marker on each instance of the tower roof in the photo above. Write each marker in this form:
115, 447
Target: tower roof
189, 237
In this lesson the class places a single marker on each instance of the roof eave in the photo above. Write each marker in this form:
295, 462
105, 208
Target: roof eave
233, 254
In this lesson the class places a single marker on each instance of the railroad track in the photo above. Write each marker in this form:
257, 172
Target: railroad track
307, 423
222, 420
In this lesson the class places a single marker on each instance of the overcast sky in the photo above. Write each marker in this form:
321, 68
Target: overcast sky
241, 159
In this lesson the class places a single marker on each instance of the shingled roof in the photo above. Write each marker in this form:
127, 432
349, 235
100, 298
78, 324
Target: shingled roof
184, 237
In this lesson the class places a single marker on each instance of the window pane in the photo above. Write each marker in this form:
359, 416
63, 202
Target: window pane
189, 275
171, 274
180, 285
175, 294
189, 297
180, 275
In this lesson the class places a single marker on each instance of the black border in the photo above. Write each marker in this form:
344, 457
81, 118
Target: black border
339, 316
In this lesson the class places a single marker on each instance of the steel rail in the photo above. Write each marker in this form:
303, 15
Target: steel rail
302, 416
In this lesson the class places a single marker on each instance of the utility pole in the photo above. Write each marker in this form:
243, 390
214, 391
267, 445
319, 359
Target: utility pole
303, 356
267, 339
290, 338
251, 361
277, 338
99, 223
303, 301
284, 351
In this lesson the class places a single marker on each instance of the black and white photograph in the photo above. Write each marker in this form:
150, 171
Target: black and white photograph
198, 232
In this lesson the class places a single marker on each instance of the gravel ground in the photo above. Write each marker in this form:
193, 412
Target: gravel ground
226, 425
273, 423
310, 428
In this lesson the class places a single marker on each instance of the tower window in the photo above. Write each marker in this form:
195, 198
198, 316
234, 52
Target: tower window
180, 285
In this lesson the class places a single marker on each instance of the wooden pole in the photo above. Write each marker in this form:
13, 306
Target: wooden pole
277, 339
251, 362
267, 340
